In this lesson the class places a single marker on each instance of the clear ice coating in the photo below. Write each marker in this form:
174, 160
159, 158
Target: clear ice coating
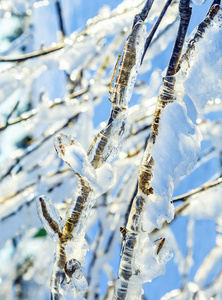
70, 237
174, 154
67, 274
127, 66
142, 260
106, 144
69, 234
49, 217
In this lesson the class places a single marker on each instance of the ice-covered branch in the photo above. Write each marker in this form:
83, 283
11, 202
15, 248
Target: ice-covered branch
149, 208
37, 103
93, 173
121, 89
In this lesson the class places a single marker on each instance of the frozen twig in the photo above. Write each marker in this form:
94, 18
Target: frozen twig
86, 31
30, 114
33, 148
185, 198
121, 88
148, 208
185, 14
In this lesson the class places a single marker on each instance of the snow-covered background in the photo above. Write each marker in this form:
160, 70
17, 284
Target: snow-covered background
67, 92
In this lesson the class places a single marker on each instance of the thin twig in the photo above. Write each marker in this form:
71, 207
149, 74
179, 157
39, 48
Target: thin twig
185, 197
208, 186
145, 11
61, 25
34, 54
31, 149
155, 27
185, 12
12, 111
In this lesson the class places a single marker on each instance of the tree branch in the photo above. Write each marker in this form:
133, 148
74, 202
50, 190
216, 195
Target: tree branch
30, 114
34, 54
155, 27
185, 13
61, 24
208, 186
